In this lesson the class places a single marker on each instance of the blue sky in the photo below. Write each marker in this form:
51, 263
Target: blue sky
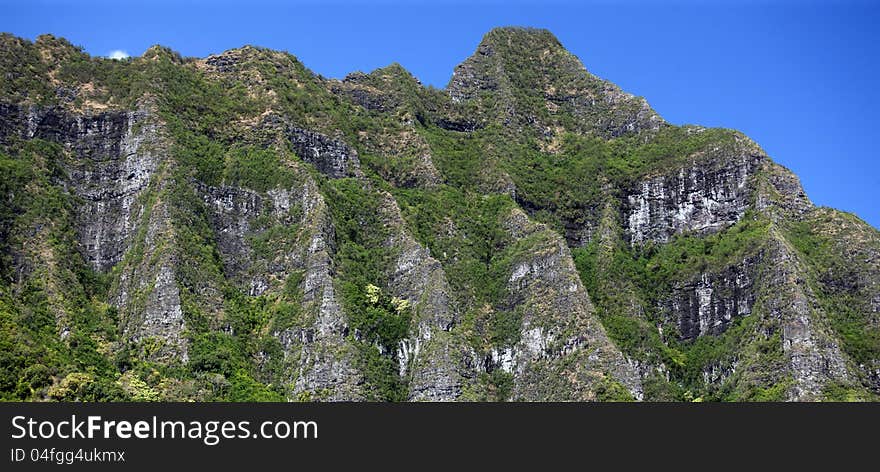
799, 77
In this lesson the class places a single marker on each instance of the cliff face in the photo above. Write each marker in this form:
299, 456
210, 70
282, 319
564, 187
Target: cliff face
711, 194
237, 228
111, 161
708, 304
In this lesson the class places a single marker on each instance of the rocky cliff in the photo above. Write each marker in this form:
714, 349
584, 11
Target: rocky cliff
239, 228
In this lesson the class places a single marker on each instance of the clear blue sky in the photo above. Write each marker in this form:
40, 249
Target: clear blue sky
799, 77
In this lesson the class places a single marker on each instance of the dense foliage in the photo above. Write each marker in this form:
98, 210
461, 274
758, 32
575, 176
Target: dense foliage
540, 138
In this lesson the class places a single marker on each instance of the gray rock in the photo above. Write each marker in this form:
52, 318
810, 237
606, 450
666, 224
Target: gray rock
702, 198
146, 290
323, 359
428, 357
563, 352
230, 211
331, 157
814, 357
708, 304
113, 156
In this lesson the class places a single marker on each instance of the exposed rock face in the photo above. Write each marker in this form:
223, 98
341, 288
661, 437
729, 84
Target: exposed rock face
11, 122
708, 304
437, 367
325, 365
483, 213
223, 63
232, 209
461, 126
702, 198
114, 155
774, 285
316, 347
415, 165
849, 278
162, 316
331, 157
561, 341
113, 158
814, 358
467, 80
359, 88
146, 289
428, 356
399, 96
781, 193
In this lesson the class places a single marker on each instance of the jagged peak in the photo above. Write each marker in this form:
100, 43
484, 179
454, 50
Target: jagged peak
247, 50
54, 41
157, 51
696, 216
525, 75
508, 51
239, 53
56, 49
520, 34
392, 72
395, 69
397, 73
242, 58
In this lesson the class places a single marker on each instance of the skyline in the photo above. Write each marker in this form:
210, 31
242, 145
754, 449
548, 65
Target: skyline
798, 79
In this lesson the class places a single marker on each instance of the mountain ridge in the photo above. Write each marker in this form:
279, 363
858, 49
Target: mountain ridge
236, 227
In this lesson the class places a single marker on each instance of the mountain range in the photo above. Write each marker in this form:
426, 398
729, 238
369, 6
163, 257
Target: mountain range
239, 228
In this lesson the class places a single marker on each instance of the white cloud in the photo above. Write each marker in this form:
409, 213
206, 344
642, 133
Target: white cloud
118, 54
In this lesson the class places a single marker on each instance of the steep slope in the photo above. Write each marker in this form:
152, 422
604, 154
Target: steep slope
525, 78
238, 228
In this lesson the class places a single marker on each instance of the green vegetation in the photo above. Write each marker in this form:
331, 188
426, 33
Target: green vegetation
55, 331
24, 70
835, 278
568, 188
379, 321
688, 255
527, 140
610, 390
619, 278
845, 393
464, 228
257, 169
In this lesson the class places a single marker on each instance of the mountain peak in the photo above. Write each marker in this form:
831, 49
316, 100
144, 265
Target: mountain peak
522, 35
170, 217
396, 70
56, 49
525, 77
513, 41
